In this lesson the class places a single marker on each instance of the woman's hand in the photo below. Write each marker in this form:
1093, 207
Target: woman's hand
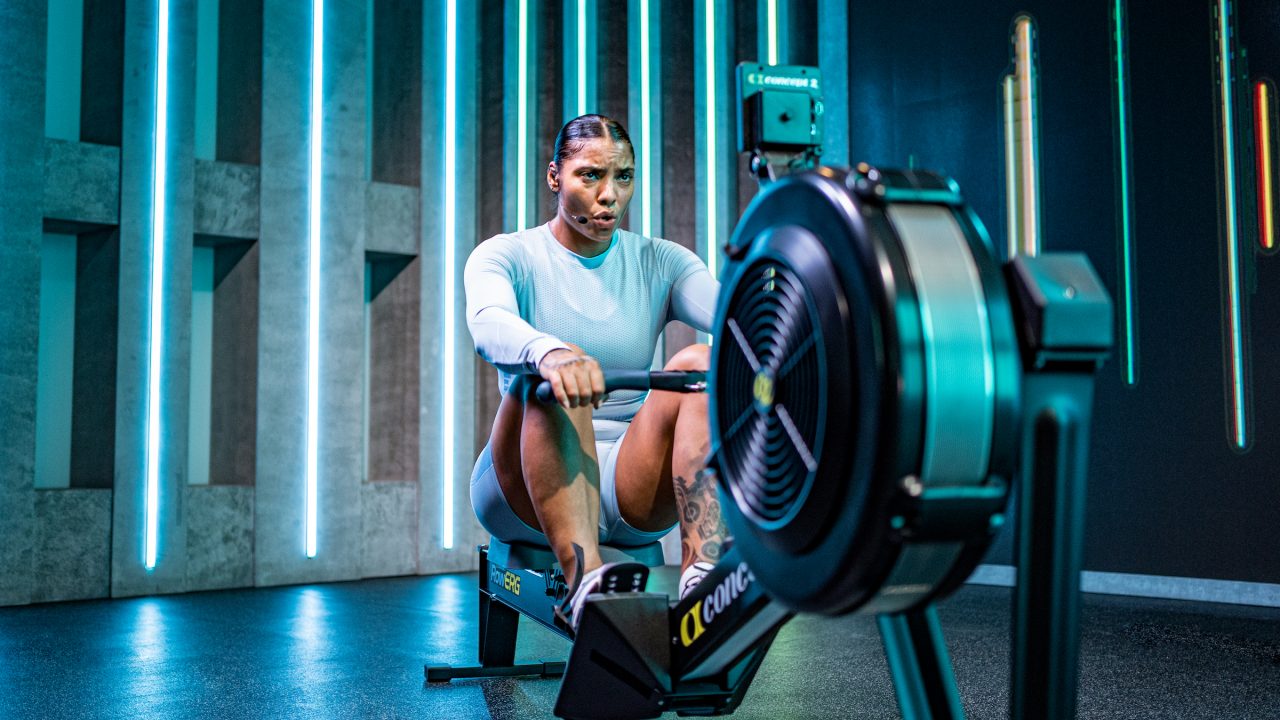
575, 377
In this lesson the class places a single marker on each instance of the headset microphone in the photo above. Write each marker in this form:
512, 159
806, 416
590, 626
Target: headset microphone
581, 219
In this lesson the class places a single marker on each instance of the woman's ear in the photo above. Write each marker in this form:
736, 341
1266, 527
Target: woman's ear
553, 177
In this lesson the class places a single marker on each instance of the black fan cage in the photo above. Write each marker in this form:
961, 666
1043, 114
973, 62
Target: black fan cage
770, 381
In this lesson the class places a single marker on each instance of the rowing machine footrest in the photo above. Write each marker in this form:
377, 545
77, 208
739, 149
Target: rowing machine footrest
621, 653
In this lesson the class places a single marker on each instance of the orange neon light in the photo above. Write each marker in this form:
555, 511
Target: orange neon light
1266, 182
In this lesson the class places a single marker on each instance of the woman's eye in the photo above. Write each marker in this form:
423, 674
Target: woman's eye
591, 175
624, 177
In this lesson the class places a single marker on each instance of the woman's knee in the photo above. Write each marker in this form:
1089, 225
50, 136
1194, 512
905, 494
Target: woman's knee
693, 357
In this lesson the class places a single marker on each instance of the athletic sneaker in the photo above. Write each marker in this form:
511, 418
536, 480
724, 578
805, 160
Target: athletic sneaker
690, 578
608, 578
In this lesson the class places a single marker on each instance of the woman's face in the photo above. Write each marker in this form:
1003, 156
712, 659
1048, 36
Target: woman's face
595, 184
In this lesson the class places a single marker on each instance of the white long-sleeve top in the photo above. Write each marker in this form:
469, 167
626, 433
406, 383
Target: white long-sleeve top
528, 295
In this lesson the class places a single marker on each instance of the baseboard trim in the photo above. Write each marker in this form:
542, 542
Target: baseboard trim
1154, 586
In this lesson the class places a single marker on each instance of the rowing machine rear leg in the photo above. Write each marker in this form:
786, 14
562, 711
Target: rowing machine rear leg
499, 624
499, 627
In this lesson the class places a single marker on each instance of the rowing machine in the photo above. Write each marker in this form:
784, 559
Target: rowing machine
877, 384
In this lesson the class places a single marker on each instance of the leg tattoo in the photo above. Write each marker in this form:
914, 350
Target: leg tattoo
702, 529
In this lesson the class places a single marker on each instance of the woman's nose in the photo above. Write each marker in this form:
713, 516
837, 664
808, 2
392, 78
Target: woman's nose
608, 193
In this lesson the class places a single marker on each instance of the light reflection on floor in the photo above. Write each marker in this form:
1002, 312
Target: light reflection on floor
357, 649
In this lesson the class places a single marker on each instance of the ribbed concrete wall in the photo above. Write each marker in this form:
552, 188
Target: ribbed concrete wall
382, 206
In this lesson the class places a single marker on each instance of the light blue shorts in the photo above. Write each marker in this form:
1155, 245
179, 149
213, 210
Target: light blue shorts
496, 515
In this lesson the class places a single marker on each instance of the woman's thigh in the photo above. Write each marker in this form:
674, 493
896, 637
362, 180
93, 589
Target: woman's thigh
504, 450
519, 441
643, 477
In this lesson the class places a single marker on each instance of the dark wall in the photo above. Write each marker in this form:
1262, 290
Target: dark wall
240, 81
397, 91
1168, 494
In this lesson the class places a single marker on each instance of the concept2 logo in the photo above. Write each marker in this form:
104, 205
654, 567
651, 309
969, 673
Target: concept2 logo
704, 612
505, 579
782, 81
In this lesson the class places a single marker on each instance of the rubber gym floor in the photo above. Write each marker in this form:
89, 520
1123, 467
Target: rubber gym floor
355, 650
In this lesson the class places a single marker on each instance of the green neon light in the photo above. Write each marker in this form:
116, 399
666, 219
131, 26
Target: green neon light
646, 128
710, 80
1009, 92
1240, 434
1127, 251
522, 121
1028, 101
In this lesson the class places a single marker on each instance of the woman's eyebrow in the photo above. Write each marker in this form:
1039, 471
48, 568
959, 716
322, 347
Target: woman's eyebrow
603, 168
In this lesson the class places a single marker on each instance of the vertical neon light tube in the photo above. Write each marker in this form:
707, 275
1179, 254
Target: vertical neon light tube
151, 512
582, 57
1239, 431
646, 128
450, 231
313, 273
773, 32
709, 7
1127, 252
1029, 170
1009, 94
1262, 109
522, 121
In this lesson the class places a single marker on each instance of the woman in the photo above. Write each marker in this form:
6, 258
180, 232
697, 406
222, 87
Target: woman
560, 300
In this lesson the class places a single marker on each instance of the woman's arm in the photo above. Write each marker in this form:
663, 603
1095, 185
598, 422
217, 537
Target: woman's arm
694, 292
501, 336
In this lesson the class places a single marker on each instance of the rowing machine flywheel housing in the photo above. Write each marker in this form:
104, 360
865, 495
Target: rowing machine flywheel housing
864, 382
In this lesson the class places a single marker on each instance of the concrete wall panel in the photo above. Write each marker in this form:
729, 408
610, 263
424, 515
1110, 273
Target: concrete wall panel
226, 199
22, 35
433, 556
282, 399
81, 182
219, 537
282, 315
137, 167
393, 218
390, 528
72, 559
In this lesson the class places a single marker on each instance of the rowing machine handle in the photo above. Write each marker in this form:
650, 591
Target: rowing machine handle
672, 380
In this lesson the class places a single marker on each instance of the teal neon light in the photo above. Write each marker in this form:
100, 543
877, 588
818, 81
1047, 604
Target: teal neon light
646, 127
1127, 250
313, 275
450, 259
773, 32
582, 57
709, 80
1239, 434
151, 512
522, 120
